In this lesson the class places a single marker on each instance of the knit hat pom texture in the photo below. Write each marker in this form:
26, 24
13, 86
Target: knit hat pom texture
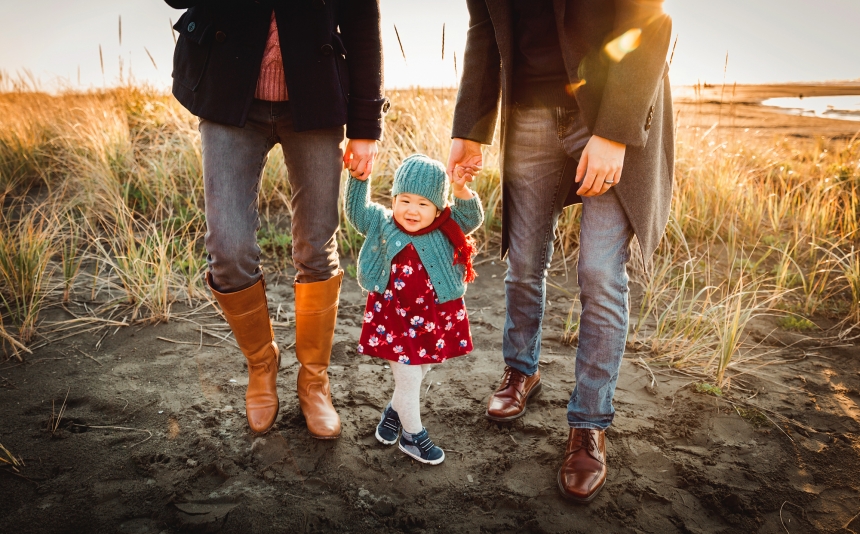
424, 176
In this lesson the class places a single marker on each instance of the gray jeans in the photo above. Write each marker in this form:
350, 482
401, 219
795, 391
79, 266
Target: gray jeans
233, 162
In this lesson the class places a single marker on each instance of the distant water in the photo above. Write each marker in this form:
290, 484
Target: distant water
830, 107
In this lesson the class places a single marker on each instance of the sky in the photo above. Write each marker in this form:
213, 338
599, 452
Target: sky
56, 42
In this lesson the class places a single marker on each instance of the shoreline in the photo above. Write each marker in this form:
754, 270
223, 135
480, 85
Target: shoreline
758, 93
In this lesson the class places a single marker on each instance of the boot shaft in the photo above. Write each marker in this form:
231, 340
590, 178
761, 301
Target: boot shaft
247, 313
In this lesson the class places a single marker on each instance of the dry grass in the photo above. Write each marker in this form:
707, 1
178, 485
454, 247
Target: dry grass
102, 197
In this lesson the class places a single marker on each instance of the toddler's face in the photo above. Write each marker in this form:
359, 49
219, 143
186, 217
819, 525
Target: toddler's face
414, 212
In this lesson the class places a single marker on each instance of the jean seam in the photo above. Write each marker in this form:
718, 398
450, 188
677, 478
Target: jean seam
257, 187
545, 260
559, 125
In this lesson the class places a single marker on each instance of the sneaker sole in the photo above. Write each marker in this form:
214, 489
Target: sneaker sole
573, 498
379, 438
420, 459
535, 391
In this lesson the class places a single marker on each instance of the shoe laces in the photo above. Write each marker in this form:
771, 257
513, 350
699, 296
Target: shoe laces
586, 441
512, 375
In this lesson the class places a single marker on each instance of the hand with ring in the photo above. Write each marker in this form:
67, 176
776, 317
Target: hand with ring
358, 157
600, 166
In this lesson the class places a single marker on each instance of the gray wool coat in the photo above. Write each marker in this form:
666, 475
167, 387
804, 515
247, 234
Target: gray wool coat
628, 101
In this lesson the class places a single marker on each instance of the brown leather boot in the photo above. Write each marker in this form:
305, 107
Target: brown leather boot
509, 400
247, 312
316, 314
583, 472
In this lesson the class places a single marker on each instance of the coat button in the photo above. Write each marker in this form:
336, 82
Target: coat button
326, 49
220, 36
397, 243
191, 26
376, 288
386, 106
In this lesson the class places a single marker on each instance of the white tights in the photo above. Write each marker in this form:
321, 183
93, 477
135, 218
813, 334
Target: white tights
407, 393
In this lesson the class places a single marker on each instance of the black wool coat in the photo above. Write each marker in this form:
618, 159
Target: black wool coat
331, 50
626, 99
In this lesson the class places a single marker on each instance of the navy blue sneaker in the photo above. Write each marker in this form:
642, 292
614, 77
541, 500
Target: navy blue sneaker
421, 447
389, 426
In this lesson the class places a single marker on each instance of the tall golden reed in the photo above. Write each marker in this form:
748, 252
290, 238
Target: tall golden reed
759, 224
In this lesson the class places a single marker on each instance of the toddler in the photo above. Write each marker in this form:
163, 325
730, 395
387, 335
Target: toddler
415, 262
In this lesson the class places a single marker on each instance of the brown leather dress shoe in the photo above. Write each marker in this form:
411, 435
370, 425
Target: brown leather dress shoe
583, 472
509, 400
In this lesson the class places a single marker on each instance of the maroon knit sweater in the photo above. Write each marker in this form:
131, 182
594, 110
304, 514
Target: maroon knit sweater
271, 84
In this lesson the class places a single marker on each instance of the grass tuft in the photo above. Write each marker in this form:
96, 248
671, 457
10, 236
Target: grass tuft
102, 197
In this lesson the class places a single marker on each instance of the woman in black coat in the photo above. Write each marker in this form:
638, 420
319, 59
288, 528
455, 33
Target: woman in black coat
258, 73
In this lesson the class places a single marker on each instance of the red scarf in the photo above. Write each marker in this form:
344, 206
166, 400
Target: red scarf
464, 246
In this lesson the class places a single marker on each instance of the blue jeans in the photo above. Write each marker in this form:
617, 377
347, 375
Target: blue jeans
539, 143
233, 162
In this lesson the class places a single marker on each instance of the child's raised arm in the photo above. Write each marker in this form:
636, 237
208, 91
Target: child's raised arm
359, 210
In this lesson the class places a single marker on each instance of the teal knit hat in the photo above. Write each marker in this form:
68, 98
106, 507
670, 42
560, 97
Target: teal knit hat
420, 175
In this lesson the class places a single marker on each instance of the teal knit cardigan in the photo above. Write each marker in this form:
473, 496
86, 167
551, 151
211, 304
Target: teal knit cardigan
384, 240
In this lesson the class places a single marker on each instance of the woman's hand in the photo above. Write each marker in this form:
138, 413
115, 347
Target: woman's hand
358, 157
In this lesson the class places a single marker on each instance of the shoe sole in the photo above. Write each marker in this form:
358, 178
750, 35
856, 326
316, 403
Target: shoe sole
535, 390
379, 438
575, 499
323, 437
420, 459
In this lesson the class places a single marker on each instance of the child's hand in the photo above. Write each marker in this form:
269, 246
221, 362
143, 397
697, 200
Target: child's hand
459, 177
358, 157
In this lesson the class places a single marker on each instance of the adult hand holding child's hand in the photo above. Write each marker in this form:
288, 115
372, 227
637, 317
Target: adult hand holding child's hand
459, 178
465, 157
464, 162
358, 157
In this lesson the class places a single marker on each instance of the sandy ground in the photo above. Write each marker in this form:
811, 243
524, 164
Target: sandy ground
153, 437
680, 461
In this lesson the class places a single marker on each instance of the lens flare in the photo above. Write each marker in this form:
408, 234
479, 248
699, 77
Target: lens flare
622, 45
572, 87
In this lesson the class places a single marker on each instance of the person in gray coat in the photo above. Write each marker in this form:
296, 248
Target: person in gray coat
586, 116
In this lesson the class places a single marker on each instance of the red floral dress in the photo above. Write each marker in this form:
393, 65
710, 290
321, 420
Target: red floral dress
407, 324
